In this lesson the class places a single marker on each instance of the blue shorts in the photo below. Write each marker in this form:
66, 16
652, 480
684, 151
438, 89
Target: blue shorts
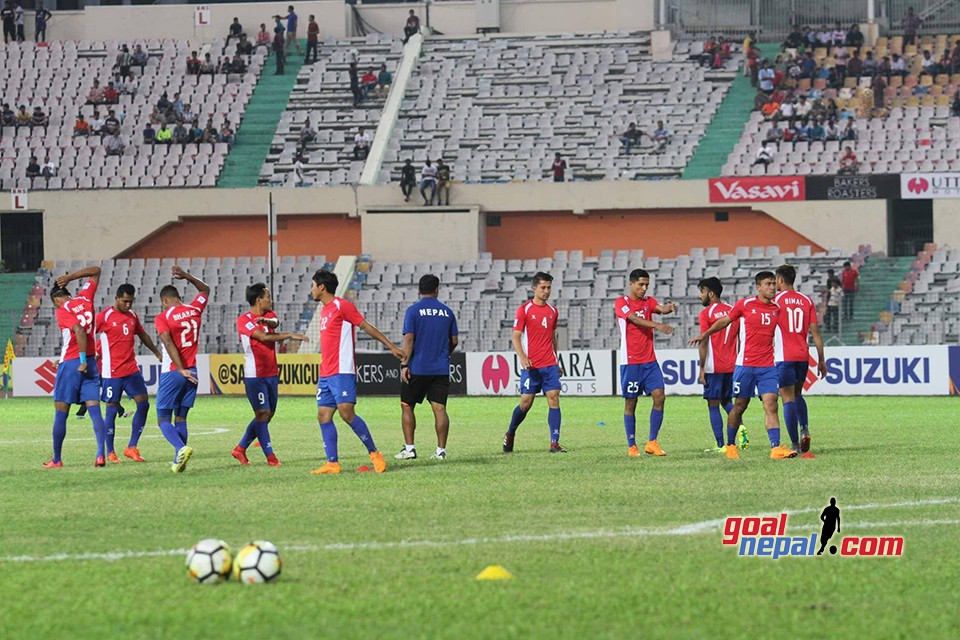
540, 380
262, 392
754, 381
337, 389
640, 379
175, 392
112, 389
719, 386
790, 373
74, 387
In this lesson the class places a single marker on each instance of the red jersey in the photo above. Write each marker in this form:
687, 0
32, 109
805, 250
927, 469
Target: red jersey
848, 278
77, 311
758, 322
797, 313
117, 331
260, 358
721, 346
537, 323
183, 323
338, 337
636, 343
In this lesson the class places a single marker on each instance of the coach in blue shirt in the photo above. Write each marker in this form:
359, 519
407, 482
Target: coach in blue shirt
429, 337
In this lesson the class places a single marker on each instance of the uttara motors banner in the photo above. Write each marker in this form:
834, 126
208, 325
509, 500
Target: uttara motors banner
587, 373
924, 186
851, 371
35, 376
858, 187
757, 189
378, 374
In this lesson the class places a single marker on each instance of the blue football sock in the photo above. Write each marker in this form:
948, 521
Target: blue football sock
727, 408
139, 420
110, 422
59, 432
731, 435
802, 412
790, 418
656, 421
774, 435
99, 428
263, 435
630, 425
518, 416
716, 423
360, 428
249, 435
329, 432
553, 420
182, 430
170, 433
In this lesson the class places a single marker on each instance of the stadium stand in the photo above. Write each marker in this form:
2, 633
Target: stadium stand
926, 309
58, 78
322, 95
498, 108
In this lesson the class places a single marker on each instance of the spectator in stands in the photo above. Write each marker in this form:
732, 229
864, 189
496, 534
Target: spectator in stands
443, 181
661, 138
23, 118
8, 117
879, 87
18, 20
313, 39
124, 62
38, 119
850, 281
766, 77
49, 168
196, 132
833, 296
238, 65
898, 67
841, 56
870, 66
803, 107
193, 64
119, 84
368, 82
831, 130
559, 167
428, 180
408, 179
298, 173
207, 67
630, 137
187, 115
771, 109
361, 145
244, 46
817, 132
412, 27
81, 128
307, 134
794, 39
839, 36
854, 37
150, 134
278, 45
95, 95
802, 130
33, 168
705, 57
910, 23
954, 106
774, 134
227, 135
753, 64
40, 24
849, 164
235, 30
788, 111
163, 104
96, 124
854, 67
210, 133
928, 65
111, 124
163, 136
113, 144
180, 134
6, 14
177, 106
140, 58
263, 36
355, 84
384, 80
292, 23
765, 154
110, 94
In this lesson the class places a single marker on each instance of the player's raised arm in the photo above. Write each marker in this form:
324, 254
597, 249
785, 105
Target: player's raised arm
90, 273
666, 309
650, 324
375, 333
201, 286
149, 344
719, 325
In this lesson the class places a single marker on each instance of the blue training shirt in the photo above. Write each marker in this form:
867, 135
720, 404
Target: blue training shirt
292, 21
432, 324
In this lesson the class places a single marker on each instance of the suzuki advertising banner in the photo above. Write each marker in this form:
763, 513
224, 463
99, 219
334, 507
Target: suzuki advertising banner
587, 373
298, 373
34, 377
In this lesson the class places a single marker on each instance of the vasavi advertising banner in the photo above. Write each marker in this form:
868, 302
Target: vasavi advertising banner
858, 187
588, 373
757, 189
298, 373
851, 371
34, 377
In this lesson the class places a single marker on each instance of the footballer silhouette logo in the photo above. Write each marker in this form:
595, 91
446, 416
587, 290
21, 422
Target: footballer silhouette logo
495, 373
918, 185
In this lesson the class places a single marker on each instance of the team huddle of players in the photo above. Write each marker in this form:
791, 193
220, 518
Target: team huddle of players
757, 347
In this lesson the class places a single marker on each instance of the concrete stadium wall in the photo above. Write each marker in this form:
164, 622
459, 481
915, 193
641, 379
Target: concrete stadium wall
658, 216
336, 18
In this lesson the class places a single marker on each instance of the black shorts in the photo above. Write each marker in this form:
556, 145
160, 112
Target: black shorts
433, 388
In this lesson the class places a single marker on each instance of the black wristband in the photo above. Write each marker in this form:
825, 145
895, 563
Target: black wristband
404, 366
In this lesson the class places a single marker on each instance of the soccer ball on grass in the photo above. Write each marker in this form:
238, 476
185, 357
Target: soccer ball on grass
257, 562
209, 561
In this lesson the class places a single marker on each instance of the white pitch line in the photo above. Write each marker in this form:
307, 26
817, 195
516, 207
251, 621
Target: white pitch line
213, 432
695, 528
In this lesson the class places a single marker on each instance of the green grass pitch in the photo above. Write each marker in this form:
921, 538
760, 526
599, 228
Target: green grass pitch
600, 545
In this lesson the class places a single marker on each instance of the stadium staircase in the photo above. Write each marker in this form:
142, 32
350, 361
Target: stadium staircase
723, 133
880, 277
16, 289
242, 166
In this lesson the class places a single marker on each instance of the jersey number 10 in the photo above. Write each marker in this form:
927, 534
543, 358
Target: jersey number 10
795, 320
